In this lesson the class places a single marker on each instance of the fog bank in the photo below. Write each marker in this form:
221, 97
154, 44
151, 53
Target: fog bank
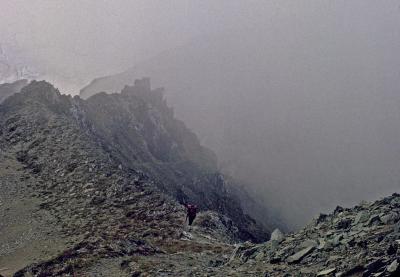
300, 100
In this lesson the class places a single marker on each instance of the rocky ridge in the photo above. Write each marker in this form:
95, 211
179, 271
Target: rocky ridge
71, 204
164, 148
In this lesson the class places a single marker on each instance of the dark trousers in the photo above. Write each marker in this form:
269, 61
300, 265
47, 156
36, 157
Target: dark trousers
191, 218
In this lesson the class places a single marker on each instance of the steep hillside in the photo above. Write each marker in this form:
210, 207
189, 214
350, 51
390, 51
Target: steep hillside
83, 182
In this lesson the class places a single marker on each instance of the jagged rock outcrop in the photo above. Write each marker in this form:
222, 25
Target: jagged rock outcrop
88, 183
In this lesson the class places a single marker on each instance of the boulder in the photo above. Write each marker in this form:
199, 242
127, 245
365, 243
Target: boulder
326, 271
374, 220
308, 243
374, 266
393, 267
390, 218
297, 257
277, 235
344, 223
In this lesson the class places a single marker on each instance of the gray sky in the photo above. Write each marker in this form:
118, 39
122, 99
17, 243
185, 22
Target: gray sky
84, 39
81, 39
77, 40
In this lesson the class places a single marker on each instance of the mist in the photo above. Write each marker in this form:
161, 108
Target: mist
299, 99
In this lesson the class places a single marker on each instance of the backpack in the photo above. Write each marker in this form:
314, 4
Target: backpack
191, 209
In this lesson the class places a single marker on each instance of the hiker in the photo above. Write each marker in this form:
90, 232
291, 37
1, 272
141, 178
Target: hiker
191, 213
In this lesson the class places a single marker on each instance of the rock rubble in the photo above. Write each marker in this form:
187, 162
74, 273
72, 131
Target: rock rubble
361, 241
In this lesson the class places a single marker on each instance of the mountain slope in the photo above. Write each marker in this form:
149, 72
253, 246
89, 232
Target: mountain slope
8, 89
73, 204
104, 173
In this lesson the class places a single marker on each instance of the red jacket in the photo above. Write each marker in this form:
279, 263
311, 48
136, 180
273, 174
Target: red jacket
191, 210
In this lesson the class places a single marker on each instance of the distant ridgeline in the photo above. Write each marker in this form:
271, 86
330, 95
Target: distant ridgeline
9, 89
138, 133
